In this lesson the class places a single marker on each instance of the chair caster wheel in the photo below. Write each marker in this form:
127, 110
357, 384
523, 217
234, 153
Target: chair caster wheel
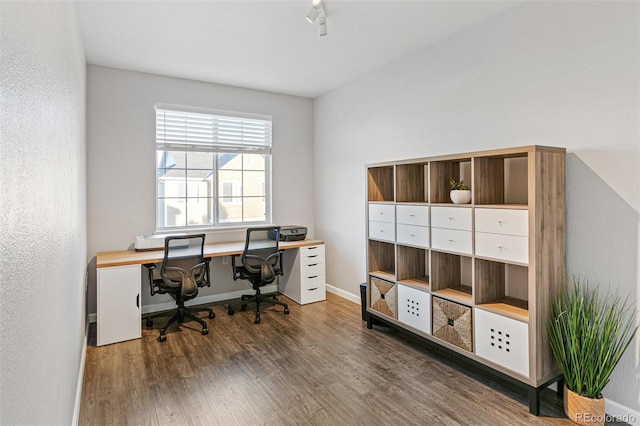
149, 323
257, 319
230, 311
205, 331
162, 338
212, 315
286, 311
243, 307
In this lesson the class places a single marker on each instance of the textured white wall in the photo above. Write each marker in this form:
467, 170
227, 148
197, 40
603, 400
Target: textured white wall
547, 73
121, 158
42, 212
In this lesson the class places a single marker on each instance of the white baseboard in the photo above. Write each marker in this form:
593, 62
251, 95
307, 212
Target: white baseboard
619, 413
83, 359
344, 294
202, 300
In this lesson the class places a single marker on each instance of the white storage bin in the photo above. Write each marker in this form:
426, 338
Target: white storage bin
414, 308
502, 340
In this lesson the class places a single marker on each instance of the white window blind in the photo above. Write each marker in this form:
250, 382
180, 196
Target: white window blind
199, 131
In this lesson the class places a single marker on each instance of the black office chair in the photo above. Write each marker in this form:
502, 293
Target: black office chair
260, 264
184, 269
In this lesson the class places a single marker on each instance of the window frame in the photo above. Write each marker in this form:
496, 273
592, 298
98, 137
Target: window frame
217, 149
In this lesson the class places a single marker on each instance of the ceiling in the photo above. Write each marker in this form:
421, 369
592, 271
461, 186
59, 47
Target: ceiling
269, 45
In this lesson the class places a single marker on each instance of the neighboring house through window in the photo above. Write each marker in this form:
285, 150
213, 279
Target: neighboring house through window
213, 168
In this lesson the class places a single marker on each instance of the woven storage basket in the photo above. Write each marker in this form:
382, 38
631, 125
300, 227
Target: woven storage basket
452, 323
383, 297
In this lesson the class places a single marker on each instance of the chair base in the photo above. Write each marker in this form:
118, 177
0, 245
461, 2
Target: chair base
179, 316
259, 299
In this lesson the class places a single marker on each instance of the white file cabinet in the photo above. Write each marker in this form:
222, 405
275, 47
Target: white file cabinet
304, 274
118, 310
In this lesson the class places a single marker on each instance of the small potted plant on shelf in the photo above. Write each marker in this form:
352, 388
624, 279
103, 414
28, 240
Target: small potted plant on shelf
460, 193
588, 334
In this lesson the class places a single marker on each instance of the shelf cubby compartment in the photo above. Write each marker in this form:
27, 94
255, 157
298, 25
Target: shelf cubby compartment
451, 277
413, 267
441, 172
380, 183
502, 288
382, 260
411, 183
501, 180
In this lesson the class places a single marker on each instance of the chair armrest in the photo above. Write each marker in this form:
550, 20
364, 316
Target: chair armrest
234, 267
150, 268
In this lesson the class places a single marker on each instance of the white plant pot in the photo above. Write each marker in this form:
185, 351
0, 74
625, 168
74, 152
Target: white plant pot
461, 196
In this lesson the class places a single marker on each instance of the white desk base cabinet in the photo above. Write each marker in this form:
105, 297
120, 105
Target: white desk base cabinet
118, 310
304, 277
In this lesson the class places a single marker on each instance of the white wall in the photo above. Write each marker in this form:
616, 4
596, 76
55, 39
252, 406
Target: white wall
548, 73
42, 212
121, 158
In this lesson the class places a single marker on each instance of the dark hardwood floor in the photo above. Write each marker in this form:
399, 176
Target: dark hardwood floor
320, 365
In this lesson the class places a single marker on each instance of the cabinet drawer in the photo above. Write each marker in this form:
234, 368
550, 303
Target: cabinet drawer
451, 218
503, 247
503, 221
313, 257
382, 212
311, 251
314, 281
502, 340
413, 235
311, 270
315, 294
412, 215
382, 230
451, 240
414, 308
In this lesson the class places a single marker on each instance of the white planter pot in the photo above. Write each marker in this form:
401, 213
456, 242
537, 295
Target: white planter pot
460, 196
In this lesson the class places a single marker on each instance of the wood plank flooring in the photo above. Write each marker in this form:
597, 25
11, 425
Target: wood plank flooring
320, 365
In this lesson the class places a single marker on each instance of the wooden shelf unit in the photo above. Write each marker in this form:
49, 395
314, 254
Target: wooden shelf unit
516, 262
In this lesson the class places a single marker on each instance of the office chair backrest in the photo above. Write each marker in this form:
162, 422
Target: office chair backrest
183, 264
261, 254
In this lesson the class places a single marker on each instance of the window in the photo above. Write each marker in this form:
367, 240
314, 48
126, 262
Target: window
213, 168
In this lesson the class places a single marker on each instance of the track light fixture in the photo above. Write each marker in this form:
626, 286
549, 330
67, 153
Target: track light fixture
317, 13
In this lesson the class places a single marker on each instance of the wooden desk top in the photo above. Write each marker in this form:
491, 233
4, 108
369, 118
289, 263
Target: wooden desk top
130, 257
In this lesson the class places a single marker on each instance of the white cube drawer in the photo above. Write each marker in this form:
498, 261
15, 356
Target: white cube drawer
503, 247
503, 221
311, 270
315, 294
382, 230
412, 215
414, 308
313, 281
382, 212
502, 340
451, 240
413, 235
451, 218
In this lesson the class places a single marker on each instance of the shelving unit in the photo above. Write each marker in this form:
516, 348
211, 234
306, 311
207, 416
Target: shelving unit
486, 270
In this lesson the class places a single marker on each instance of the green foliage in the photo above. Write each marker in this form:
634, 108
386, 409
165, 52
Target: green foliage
588, 335
457, 185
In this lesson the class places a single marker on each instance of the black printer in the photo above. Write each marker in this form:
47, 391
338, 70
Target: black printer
293, 233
